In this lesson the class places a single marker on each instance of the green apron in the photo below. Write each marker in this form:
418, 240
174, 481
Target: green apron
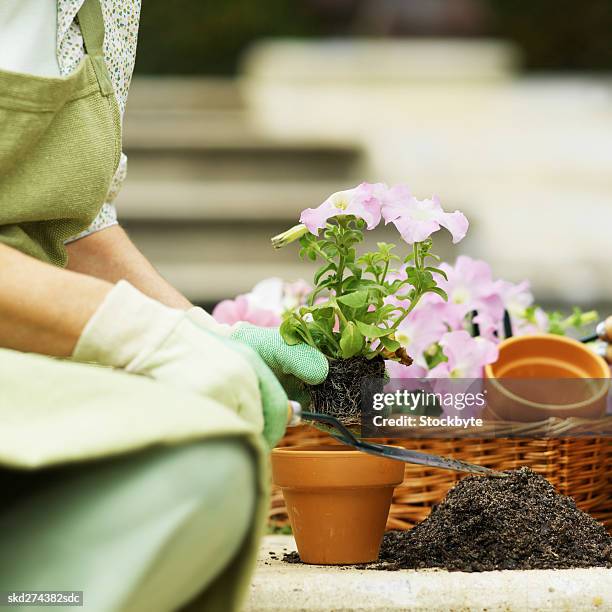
59, 148
60, 145
55, 414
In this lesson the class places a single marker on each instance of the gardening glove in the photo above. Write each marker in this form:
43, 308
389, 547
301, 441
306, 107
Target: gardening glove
274, 398
140, 335
294, 365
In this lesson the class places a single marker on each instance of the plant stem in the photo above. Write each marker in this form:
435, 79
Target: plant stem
330, 337
339, 237
406, 311
321, 253
417, 259
418, 291
384, 274
339, 275
306, 330
337, 308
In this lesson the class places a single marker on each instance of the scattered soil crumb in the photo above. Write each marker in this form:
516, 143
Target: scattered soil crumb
292, 557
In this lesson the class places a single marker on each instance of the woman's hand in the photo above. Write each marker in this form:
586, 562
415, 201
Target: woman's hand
294, 365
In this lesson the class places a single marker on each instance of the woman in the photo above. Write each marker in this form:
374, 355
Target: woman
132, 467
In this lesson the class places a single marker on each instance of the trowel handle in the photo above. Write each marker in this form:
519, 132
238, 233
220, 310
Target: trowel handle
604, 330
294, 413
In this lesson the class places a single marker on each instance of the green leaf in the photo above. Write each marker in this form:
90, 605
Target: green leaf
356, 299
289, 331
442, 273
389, 344
371, 331
412, 274
555, 324
427, 279
306, 239
322, 271
406, 296
355, 269
351, 341
326, 313
384, 311
376, 288
331, 250
435, 356
350, 284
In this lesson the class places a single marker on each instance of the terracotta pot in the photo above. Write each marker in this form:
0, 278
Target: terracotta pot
337, 500
544, 375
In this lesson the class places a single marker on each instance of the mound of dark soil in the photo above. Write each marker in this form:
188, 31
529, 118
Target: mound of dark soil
488, 523
340, 394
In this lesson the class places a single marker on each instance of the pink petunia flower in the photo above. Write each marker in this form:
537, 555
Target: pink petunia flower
296, 294
463, 371
277, 296
466, 356
360, 201
418, 331
469, 287
517, 298
416, 219
240, 310
397, 370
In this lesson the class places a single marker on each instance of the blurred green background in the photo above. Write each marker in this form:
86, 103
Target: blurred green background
209, 36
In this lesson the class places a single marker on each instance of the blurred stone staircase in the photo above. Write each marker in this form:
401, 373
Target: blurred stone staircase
206, 190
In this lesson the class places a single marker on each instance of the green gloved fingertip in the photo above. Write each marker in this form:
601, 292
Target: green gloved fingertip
314, 366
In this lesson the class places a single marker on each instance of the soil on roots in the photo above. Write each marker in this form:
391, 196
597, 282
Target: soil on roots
340, 394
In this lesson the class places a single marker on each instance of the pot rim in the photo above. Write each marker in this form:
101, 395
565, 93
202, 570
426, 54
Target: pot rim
603, 366
320, 467
308, 450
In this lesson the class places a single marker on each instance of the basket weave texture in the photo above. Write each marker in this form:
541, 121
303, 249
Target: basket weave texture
578, 467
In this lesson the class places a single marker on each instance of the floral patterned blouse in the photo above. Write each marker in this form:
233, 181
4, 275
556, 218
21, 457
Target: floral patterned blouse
121, 19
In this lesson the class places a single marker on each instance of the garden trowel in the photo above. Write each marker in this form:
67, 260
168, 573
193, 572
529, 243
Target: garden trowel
344, 435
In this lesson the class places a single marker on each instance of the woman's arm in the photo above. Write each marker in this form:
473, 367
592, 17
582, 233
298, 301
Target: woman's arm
43, 309
110, 255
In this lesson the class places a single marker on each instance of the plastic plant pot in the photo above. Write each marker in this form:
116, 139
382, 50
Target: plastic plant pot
543, 375
337, 499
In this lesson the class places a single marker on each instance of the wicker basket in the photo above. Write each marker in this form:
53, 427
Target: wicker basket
579, 467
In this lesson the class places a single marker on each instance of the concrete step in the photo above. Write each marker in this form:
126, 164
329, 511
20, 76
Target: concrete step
221, 144
184, 93
163, 200
269, 163
282, 587
206, 189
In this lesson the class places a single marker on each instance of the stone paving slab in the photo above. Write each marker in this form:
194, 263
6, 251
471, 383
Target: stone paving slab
279, 586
